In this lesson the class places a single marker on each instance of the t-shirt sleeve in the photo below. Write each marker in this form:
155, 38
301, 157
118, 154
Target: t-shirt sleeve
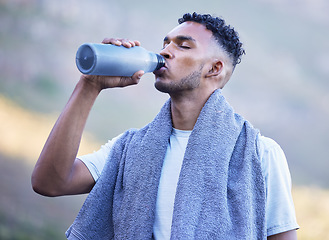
95, 161
280, 210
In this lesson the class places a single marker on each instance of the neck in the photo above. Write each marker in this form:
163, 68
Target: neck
185, 109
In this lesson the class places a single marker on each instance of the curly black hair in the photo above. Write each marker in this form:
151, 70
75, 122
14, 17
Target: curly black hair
224, 34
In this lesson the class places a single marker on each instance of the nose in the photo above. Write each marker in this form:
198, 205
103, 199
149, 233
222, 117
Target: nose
166, 53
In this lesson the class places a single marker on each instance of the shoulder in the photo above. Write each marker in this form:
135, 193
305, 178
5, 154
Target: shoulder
271, 155
266, 144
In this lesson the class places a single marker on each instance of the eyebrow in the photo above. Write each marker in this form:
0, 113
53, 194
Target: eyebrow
181, 38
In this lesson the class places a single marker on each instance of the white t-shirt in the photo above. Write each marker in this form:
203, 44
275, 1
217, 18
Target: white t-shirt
280, 211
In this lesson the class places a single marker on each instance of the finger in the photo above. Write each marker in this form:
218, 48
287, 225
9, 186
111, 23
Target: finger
121, 41
137, 76
113, 41
133, 80
130, 43
134, 43
127, 43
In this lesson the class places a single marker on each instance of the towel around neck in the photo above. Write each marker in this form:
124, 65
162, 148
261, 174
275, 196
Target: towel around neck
220, 192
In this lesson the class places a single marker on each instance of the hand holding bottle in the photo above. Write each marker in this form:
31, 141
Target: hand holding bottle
118, 58
102, 81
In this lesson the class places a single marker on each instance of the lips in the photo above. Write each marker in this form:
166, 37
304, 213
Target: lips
160, 71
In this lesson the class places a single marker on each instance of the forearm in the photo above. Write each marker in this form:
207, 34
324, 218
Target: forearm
55, 165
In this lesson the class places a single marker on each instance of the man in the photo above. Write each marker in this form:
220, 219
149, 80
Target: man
197, 171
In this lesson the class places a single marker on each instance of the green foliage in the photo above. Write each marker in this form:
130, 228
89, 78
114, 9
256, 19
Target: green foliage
41, 94
45, 84
11, 228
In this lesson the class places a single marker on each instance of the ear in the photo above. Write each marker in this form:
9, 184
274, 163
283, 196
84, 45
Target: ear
216, 68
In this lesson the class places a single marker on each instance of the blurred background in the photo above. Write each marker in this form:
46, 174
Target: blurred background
281, 86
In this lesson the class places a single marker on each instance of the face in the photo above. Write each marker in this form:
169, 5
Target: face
186, 50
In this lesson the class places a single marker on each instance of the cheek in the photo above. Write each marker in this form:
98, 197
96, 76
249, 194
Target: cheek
188, 64
188, 61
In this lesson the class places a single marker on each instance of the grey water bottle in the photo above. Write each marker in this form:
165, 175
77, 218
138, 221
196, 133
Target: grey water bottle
112, 60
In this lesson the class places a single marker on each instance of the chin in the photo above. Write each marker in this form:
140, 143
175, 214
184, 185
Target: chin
161, 87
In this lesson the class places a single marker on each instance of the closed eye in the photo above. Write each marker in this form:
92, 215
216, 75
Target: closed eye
185, 47
181, 41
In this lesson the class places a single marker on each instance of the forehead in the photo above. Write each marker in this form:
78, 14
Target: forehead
195, 30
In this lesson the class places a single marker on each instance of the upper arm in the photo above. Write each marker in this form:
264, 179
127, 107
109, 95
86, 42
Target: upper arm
289, 235
87, 169
81, 180
280, 210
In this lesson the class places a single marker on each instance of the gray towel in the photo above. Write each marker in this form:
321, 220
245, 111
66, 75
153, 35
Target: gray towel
220, 192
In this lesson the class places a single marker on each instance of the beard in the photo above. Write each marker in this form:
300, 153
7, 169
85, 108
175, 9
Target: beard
189, 82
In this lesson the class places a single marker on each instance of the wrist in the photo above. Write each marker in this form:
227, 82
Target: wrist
88, 85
